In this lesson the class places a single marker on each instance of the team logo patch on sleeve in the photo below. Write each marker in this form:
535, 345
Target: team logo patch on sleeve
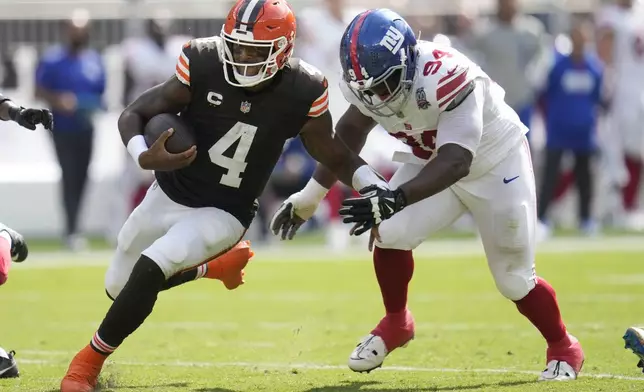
421, 99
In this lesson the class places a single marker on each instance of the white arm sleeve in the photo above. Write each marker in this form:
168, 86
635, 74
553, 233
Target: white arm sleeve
463, 125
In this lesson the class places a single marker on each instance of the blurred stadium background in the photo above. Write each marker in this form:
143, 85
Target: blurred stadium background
29, 173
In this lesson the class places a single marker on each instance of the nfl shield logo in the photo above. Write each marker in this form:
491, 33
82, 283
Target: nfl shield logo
421, 99
245, 107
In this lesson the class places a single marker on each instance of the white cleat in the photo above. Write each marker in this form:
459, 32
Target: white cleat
558, 371
368, 355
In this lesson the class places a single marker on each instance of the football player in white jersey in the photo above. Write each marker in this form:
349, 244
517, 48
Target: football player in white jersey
469, 153
621, 47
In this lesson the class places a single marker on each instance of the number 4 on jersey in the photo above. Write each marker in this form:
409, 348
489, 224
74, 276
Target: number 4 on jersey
236, 165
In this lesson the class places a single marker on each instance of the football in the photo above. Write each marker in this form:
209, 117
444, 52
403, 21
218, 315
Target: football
182, 139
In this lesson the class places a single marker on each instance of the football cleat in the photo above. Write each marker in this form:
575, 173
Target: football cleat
83, 371
8, 365
368, 355
564, 361
19, 249
558, 371
229, 267
394, 330
634, 340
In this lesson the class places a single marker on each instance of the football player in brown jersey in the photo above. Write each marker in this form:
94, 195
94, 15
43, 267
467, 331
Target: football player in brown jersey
244, 96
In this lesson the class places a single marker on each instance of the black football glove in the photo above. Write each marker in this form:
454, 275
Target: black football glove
29, 118
375, 204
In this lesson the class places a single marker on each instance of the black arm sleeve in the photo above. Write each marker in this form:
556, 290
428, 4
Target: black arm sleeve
3, 98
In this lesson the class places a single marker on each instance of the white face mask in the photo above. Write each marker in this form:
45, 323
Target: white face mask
243, 72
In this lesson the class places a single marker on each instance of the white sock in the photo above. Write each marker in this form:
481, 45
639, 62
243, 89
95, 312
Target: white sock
202, 270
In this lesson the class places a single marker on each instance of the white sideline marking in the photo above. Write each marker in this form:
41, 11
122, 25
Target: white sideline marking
313, 366
519, 329
294, 253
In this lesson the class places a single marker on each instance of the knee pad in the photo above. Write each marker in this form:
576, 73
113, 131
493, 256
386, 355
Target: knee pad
113, 285
514, 286
395, 237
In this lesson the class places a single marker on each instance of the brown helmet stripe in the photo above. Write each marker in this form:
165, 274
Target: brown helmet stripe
248, 13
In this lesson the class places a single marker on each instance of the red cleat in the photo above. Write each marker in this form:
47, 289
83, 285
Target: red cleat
82, 375
229, 267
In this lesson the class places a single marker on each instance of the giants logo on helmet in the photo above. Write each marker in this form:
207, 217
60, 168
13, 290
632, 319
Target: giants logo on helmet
392, 40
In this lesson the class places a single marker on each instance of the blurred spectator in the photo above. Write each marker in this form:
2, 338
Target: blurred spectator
319, 31
571, 101
71, 79
8, 73
621, 46
513, 52
462, 25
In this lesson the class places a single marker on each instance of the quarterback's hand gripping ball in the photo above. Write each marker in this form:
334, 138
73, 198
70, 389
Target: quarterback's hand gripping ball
171, 143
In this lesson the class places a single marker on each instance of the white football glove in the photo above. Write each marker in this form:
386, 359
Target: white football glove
294, 211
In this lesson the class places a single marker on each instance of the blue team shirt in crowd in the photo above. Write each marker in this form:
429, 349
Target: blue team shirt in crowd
82, 74
571, 101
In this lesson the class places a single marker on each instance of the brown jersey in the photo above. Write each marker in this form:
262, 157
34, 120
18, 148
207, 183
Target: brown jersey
239, 134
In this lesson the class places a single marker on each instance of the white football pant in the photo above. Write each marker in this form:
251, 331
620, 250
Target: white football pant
503, 204
174, 236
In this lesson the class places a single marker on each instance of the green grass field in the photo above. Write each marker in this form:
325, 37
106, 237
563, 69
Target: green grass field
294, 323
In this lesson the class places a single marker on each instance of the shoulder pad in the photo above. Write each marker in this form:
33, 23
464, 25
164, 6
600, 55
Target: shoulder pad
193, 53
312, 85
207, 45
445, 73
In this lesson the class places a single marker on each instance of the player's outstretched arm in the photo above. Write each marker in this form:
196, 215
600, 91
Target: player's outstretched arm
5, 107
450, 165
459, 133
337, 155
353, 129
170, 97
25, 117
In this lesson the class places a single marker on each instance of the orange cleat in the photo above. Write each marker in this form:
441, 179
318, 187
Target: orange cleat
82, 375
229, 267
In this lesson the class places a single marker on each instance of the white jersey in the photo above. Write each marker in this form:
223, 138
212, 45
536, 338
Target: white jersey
441, 74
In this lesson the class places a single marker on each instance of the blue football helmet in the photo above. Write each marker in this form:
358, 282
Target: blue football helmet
378, 56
